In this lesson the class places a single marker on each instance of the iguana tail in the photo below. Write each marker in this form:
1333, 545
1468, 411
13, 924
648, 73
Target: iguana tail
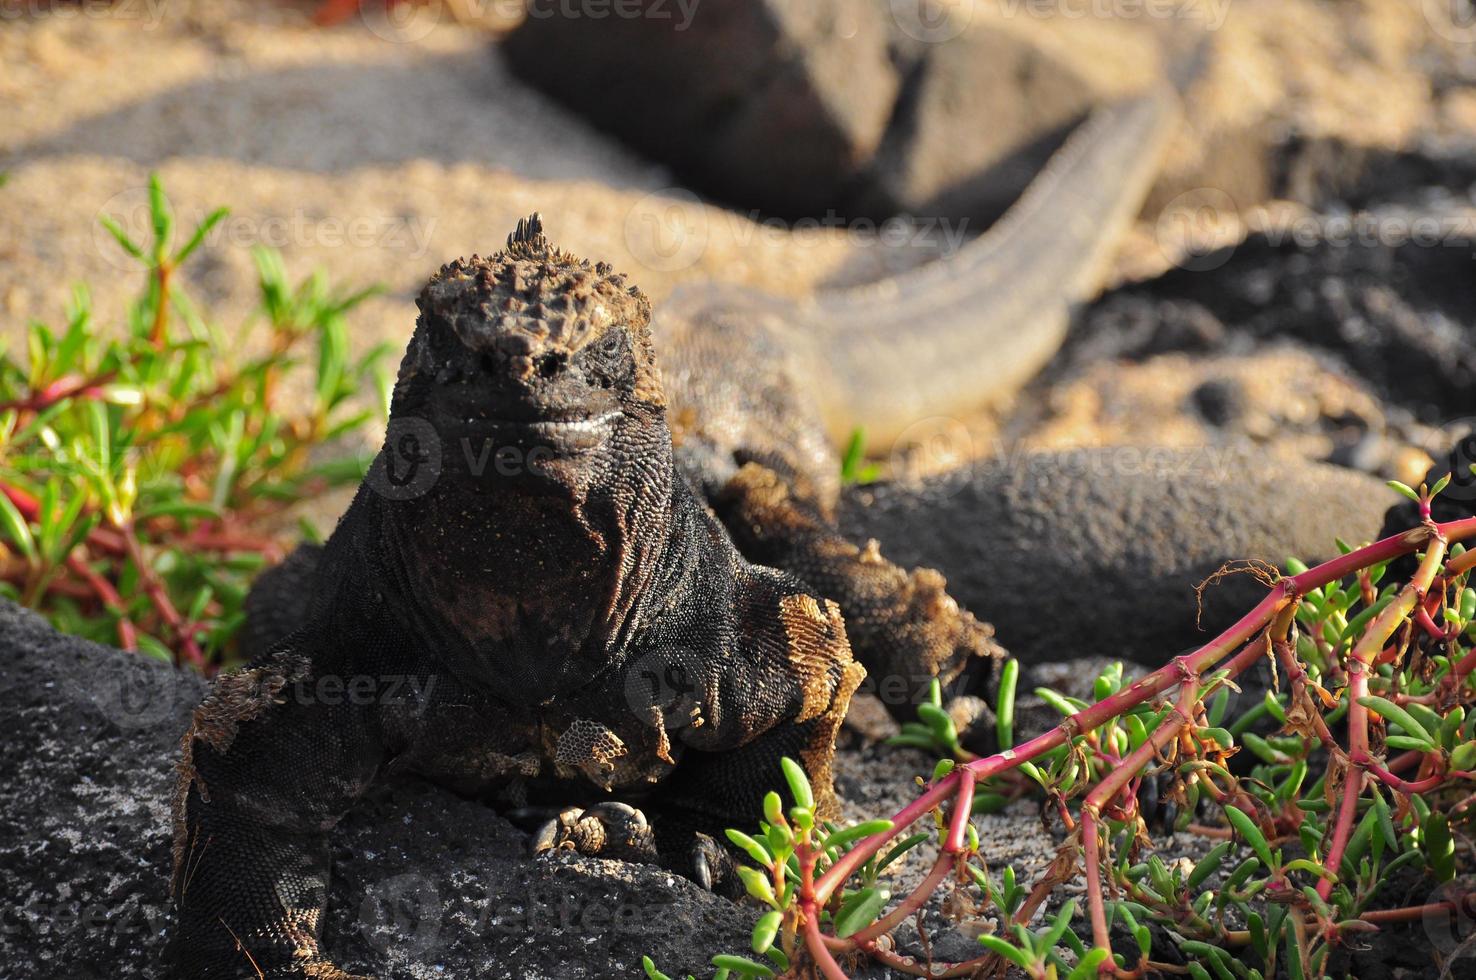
970, 330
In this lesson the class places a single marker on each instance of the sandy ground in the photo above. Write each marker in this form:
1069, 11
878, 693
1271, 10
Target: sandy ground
378, 159
376, 155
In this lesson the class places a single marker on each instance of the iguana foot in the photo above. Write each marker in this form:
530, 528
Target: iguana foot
323, 970
607, 829
712, 864
617, 830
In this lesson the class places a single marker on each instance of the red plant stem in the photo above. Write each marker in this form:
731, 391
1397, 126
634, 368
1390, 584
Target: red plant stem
816, 946
1407, 913
906, 964
59, 390
1144, 755
1282, 595
1367, 762
1144, 689
1091, 807
963, 805
127, 633
1461, 563
1423, 620
104, 539
914, 901
160, 598
1359, 663
160, 327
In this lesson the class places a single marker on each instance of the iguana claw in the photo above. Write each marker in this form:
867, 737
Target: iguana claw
608, 829
712, 865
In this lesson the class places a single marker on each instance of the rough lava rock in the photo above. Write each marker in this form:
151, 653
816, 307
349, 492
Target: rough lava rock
771, 104
975, 120
1098, 551
1389, 293
426, 884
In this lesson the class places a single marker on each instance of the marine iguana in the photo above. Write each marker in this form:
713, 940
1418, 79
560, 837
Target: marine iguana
761, 390
529, 595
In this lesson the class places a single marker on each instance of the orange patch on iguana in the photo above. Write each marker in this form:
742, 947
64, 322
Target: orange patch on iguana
828, 676
817, 756
818, 650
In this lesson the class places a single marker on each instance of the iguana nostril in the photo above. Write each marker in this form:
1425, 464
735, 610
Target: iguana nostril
550, 365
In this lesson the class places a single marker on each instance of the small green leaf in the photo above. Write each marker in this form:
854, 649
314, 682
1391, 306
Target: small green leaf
1439, 846
939, 723
1087, 968
16, 528
859, 911
121, 236
773, 809
198, 235
1252, 835
1404, 719
765, 930
749, 846
1208, 865
1311, 867
986, 803
742, 966
853, 457
1401, 488
159, 212
1004, 705
799, 783
1059, 925
1008, 950
844, 838
757, 884
901, 848
651, 972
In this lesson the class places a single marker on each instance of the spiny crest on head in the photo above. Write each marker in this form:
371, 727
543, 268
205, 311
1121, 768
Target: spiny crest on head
528, 236
532, 285
531, 289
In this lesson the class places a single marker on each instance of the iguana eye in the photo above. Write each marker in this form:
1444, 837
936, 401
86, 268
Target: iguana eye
610, 344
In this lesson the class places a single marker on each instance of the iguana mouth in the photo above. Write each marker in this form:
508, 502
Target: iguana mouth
568, 435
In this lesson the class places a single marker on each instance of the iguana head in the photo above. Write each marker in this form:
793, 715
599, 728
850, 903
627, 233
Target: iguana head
535, 354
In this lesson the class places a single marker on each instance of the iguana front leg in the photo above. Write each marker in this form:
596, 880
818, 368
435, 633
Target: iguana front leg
904, 626
268, 768
776, 682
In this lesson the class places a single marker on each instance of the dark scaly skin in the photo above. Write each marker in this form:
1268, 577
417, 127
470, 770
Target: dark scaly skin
760, 387
578, 627
528, 618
